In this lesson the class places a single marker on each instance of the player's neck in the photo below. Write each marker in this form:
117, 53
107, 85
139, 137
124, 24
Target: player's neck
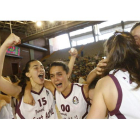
67, 89
36, 87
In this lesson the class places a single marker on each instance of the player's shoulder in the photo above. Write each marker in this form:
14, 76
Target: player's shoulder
77, 84
106, 86
107, 80
48, 83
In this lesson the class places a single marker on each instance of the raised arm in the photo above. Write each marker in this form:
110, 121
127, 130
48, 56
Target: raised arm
73, 52
97, 71
6, 86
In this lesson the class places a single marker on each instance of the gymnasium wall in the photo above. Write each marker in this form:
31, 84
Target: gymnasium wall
90, 49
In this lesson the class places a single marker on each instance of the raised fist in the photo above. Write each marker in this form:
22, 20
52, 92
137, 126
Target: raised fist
73, 52
12, 40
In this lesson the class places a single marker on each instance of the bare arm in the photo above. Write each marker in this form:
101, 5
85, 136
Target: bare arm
28, 98
5, 97
6, 86
73, 52
97, 71
2, 103
98, 108
104, 98
49, 85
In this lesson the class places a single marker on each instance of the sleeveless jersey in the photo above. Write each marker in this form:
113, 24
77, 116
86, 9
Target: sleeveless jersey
74, 105
128, 102
44, 106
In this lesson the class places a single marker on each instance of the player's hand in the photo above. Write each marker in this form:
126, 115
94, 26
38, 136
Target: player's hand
73, 52
2, 103
100, 66
28, 99
12, 40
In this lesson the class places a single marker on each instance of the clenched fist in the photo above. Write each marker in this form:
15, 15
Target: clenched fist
12, 40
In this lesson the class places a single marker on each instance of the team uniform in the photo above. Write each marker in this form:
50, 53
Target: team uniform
128, 103
6, 112
44, 106
74, 105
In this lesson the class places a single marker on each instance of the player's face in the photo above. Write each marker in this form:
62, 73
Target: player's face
59, 78
36, 72
136, 34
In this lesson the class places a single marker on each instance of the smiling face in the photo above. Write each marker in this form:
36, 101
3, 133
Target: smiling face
36, 72
136, 34
59, 78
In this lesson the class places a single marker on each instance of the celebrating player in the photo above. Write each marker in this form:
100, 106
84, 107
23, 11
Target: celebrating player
35, 73
119, 92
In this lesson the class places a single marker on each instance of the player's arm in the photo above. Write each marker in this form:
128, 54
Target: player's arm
84, 82
73, 52
2, 103
101, 99
49, 85
97, 71
85, 89
28, 98
5, 97
6, 86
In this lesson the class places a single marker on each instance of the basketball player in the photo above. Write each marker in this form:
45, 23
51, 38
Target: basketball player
71, 98
79, 105
35, 73
119, 92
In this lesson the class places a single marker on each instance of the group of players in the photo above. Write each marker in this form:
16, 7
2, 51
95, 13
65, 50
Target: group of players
116, 94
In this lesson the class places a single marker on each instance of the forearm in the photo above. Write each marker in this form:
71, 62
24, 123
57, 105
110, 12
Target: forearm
71, 64
3, 50
91, 76
2, 103
5, 97
6, 86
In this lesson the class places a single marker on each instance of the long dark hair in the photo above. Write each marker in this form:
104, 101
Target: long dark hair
24, 78
123, 53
